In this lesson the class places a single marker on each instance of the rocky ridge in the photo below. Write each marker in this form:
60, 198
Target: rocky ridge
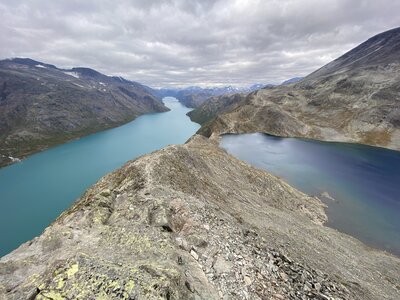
193, 222
355, 98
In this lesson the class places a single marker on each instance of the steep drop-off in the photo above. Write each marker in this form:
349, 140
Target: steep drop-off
41, 105
192, 222
355, 98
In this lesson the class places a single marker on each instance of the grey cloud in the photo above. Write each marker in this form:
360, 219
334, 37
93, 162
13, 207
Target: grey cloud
190, 42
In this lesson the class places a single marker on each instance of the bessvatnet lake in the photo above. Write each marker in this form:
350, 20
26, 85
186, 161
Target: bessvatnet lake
362, 182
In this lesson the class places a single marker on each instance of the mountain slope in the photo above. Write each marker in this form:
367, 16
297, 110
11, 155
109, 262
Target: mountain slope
41, 105
355, 98
214, 106
192, 222
382, 49
292, 80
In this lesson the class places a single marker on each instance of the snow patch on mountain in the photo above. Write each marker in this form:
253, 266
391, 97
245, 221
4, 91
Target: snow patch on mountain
73, 74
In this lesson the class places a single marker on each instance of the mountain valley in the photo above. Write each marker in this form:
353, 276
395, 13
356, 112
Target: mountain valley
42, 106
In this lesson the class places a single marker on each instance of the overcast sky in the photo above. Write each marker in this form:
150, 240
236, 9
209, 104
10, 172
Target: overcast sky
192, 42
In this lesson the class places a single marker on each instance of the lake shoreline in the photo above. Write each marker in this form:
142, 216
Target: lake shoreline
305, 138
351, 200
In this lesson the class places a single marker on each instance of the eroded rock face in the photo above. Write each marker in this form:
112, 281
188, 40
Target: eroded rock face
192, 222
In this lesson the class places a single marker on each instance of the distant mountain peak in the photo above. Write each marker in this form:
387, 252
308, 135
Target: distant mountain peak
86, 72
29, 62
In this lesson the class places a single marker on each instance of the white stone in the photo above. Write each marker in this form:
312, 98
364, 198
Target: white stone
194, 254
247, 280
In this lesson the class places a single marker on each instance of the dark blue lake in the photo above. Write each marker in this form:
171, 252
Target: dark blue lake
34, 192
363, 180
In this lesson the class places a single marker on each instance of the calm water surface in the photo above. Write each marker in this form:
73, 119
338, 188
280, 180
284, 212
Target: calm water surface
34, 192
363, 180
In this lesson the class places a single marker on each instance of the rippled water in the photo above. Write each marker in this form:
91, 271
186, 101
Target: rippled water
34, 192
363, 180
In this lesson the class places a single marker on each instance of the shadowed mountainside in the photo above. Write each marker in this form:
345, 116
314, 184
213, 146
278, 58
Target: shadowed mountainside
41, 105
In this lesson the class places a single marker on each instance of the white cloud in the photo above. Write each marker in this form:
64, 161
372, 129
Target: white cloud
188, 42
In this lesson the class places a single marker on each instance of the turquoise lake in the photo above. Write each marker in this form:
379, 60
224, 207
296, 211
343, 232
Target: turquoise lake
363, 181
34, 192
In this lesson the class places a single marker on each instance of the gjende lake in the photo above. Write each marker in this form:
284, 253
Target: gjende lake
363, 181
34, 192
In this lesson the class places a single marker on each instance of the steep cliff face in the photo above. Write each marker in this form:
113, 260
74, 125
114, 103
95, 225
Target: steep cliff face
41, 105
192, 222
355, 98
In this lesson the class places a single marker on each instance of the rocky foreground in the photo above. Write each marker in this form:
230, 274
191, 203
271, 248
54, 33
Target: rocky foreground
192, 222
